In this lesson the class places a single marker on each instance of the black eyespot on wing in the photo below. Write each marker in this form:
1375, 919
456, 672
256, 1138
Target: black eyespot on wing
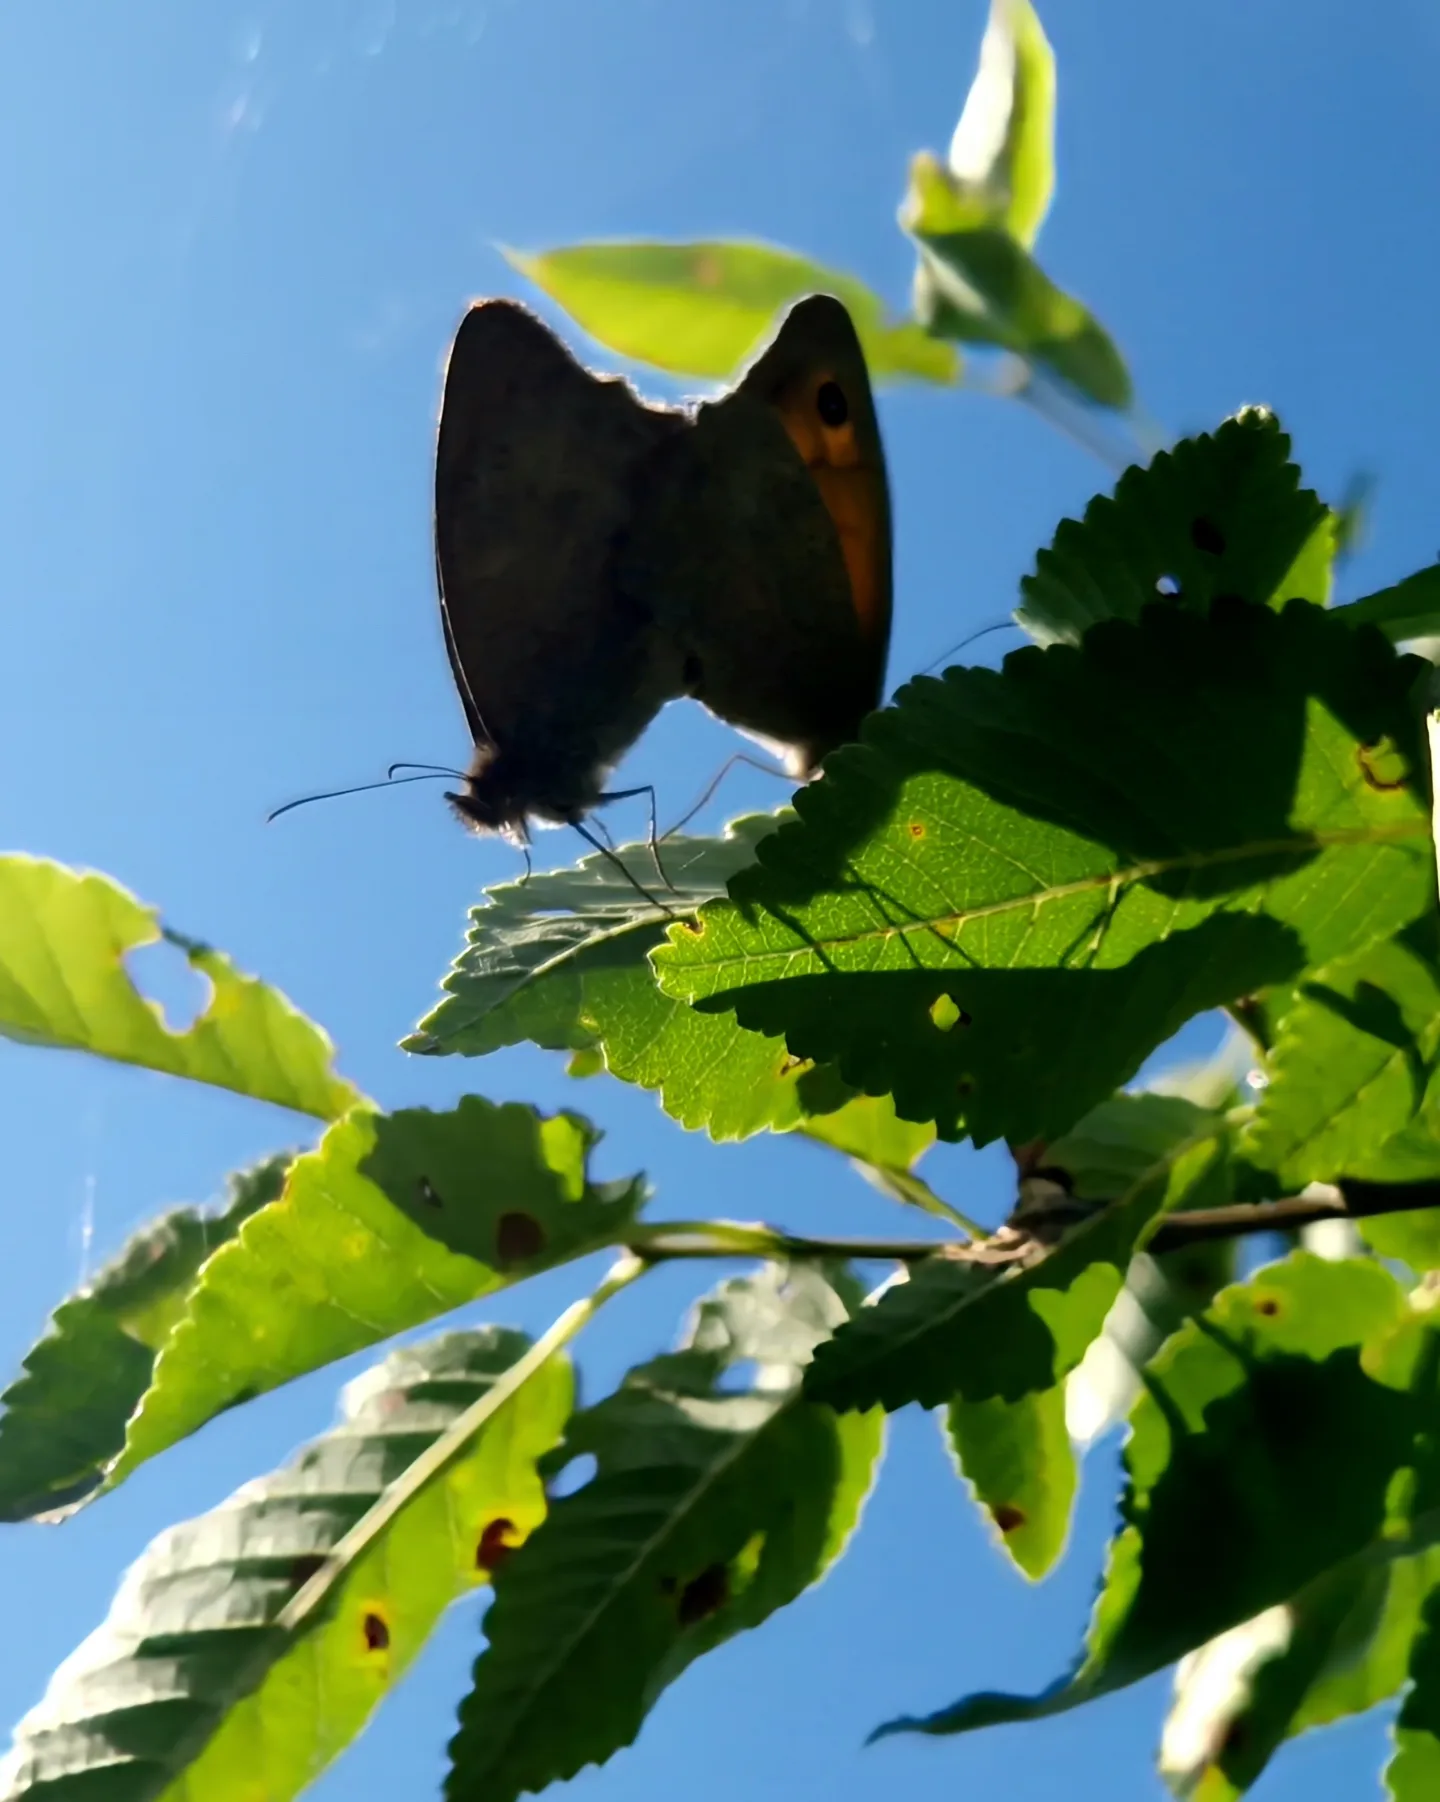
831, 404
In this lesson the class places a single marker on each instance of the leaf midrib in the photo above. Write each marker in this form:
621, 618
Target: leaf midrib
954, 922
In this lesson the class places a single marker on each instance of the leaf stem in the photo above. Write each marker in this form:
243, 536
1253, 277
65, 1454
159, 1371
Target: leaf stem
452, 1442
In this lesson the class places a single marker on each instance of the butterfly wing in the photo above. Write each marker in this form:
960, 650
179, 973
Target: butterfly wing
784, 610
536, 470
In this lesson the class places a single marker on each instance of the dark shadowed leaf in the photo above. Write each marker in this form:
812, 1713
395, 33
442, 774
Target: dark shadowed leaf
1231, 1446
1353, 1086
1224, 513
1413, 1775
1338, 1648
994, 1326
393, 1220
1411, 609
191, 1688
701, 309
64, 1418
1023, 881
710, 1507
64, 937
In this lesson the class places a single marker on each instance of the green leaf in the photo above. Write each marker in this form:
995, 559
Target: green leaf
1002, 156
701, 309
64, 937
191, 1688
1338, 1648
979, 285
391, 1221
710, 1507
1230, 1449
1411, 609
1008, 1317
64, 1418
562, 959
1018, 1461
1413, 1775
1112, 1147
1354, 1074
1224, 513
1023, 881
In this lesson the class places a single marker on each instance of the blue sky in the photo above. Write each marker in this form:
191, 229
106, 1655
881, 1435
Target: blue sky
240, 236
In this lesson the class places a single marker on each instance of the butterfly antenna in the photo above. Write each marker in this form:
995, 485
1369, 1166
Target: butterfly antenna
430, 769
619, 863
360, 788
1000, 625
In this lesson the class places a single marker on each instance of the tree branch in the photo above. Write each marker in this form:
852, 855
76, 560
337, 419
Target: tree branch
729, 1239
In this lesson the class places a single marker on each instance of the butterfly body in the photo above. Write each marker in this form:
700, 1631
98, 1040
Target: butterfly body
598, 557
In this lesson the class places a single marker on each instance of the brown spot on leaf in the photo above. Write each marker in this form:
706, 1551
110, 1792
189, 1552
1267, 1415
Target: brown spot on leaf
1268, 1306
495, 1545
304, 1568
789, 1065
704, 1595
1206, 536
518, 1237
376, 1630
1008, 1517
916, 829
427, 1194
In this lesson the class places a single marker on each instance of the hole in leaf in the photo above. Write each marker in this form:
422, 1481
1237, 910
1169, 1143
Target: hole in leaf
497, 1542
427, 1194
1167, 586
1206, 536
1008, 1517
703, 1595
518, 1237
946, 1013
572, 1476
376, 1630
738, 1378
165, 976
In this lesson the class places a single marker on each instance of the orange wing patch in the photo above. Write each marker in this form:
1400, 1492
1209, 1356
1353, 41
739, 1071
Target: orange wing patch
817, 415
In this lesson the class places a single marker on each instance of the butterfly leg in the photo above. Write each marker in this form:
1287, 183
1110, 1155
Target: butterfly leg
627, 794
619, 862
766, 769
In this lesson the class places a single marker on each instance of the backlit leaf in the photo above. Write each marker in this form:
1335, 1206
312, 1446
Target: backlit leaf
64, 1418
64, 937
701, 309
393, 1220
191, 1688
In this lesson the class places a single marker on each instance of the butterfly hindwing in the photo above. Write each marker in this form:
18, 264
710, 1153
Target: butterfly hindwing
777, 538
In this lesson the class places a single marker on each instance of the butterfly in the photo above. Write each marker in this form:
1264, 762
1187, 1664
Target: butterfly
598, 557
